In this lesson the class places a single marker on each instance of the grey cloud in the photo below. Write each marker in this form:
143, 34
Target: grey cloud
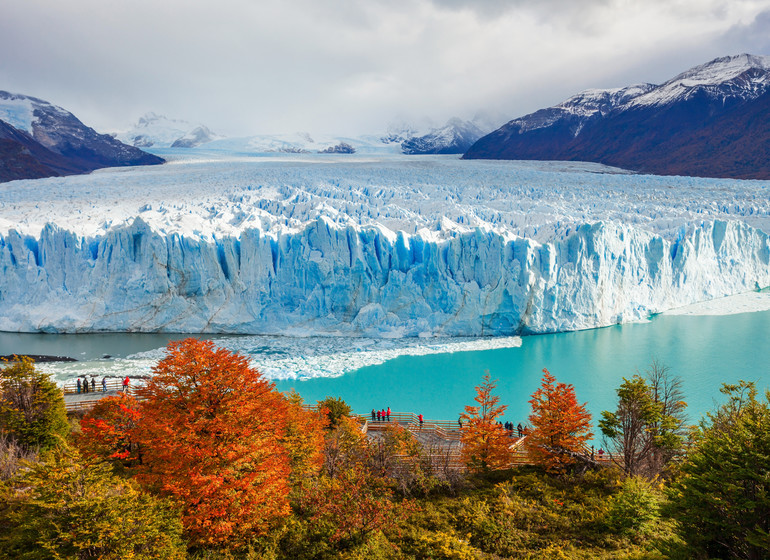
753, 37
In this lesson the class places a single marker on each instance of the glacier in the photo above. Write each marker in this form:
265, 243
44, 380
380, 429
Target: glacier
375, 246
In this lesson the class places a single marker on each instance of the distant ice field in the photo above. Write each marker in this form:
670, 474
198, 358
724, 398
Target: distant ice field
209, 194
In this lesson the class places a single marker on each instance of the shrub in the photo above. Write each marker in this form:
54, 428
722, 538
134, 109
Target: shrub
634, 508
31, 406
65, 508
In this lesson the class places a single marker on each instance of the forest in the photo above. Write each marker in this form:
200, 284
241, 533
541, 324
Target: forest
207, 460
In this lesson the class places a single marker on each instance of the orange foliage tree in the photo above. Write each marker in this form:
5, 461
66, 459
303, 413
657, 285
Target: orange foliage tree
304, 437
211, 432
485, 444
108, 431
561, 425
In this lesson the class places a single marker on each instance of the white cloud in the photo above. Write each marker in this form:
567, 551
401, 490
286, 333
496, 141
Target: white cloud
346, 66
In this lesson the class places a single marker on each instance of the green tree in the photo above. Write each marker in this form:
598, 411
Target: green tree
63, 508
646, 431
672, 431
722, 499
31, 406
336, 408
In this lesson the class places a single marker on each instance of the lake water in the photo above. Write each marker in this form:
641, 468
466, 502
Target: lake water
705, 351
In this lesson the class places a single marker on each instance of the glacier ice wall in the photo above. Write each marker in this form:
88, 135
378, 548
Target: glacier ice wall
366, 280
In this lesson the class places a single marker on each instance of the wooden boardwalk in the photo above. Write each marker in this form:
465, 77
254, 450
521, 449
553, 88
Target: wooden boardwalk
440, 439
82, 401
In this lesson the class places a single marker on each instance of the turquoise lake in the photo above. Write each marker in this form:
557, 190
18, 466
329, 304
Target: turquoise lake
705, 351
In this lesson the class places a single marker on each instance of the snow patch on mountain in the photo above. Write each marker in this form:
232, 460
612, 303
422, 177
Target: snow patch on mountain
17, 110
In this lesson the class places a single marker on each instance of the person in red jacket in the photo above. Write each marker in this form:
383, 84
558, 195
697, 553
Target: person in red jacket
388, 414
419, 417
125, 384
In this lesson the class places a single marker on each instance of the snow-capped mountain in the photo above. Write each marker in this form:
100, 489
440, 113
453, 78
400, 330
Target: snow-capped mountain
159, 131
38, 139
455, 137
708, 121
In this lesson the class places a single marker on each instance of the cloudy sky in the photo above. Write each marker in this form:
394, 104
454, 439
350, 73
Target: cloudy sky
352, 66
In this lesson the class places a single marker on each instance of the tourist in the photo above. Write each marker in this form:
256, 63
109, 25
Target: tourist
126, 381
419, 417
104, 384
79, 386
93, 384
388, 414
520, 429
460, 423
374, 415
85, 384
379, 416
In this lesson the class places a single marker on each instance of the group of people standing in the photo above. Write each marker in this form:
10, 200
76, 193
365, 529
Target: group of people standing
509, 427
87, 385
381, 415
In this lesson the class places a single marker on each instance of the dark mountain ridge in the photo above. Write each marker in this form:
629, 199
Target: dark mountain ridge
711, 121
39, 139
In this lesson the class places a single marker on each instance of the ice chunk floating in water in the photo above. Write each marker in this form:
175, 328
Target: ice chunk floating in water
364, 247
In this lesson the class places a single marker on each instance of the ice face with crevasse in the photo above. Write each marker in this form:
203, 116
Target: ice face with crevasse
370, 245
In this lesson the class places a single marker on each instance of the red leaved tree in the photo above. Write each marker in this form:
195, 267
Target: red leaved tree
211, 432
485, 444
108, 431
561, 425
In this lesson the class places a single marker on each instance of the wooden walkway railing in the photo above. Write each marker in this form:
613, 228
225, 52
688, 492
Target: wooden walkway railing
446, 435
111, 383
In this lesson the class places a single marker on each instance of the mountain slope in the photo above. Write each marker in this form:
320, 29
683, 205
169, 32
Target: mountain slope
38, 139
159, 131
708, 121
455, 137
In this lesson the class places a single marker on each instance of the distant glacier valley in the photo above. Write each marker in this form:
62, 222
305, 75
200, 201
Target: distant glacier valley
375, 245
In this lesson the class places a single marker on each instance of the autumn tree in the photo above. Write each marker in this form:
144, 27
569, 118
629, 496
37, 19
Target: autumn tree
349, 503
345, 446
399, 456
65, 507
211, 431
722, 497
485, 444
561, 426
108, 431
31, 406
647, 429
304, 437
